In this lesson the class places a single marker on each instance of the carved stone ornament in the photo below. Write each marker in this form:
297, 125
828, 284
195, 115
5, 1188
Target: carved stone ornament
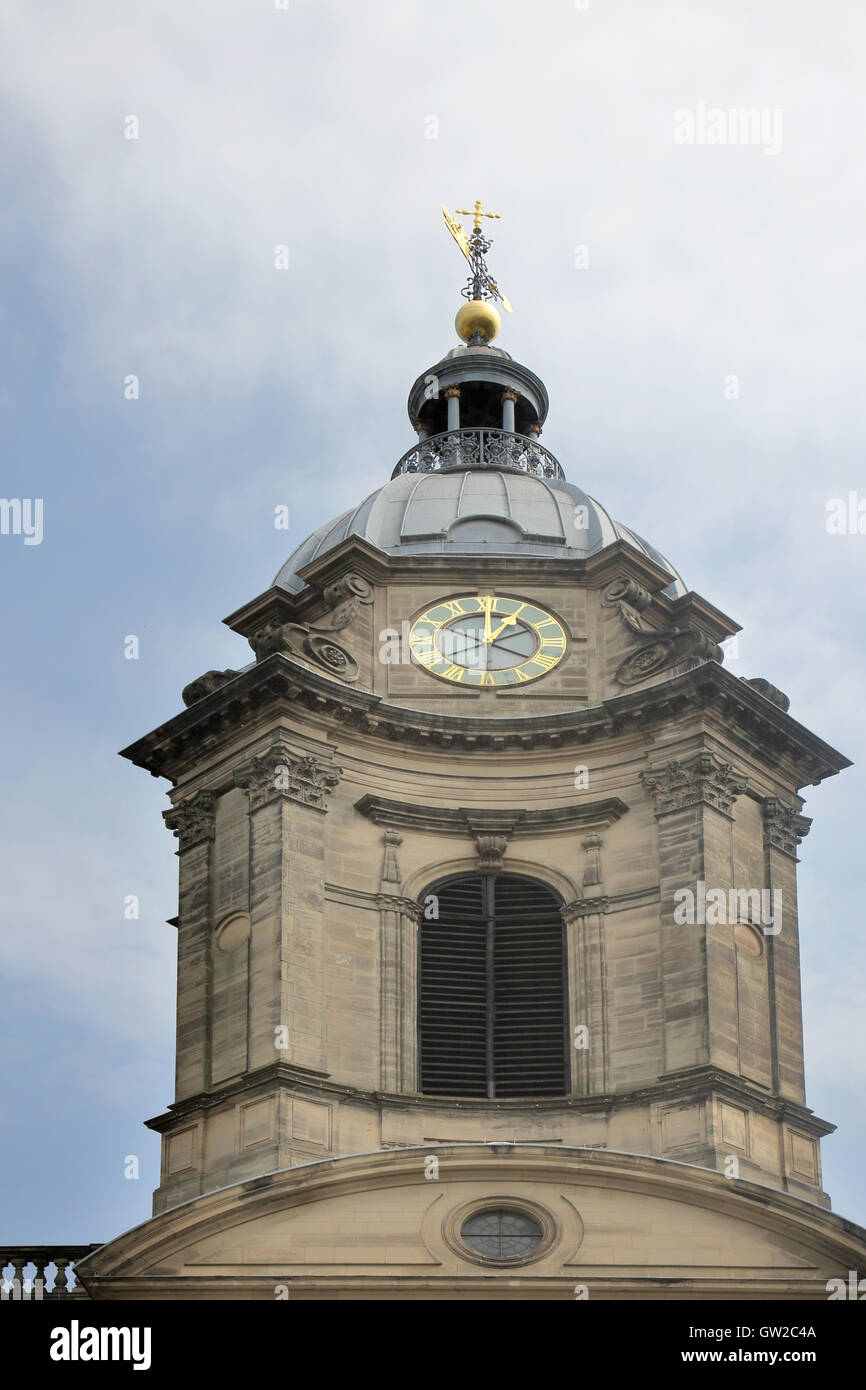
769, 692
592, 864
316, 643
687, 782
664, 650
625, 591
192, 820
490, 851
205, 685
281, 773
293, 639
351, 586
629, 600
392, 840
630, 617
784, 826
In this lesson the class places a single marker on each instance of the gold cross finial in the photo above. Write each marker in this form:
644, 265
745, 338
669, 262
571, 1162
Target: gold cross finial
477, 214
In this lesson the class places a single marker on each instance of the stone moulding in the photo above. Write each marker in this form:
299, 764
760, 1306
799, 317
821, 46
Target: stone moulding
697, 1083
157, 1258
281, 683
477, 822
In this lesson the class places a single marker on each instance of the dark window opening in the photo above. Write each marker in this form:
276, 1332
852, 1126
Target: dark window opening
492, 1010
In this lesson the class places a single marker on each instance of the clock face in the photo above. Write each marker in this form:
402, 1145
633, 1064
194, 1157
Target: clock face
487, 639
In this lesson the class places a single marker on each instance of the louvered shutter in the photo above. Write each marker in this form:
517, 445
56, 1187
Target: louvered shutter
452, 1012
528, 1003
492, 1002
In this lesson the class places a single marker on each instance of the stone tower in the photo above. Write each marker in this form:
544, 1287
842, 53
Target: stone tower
487, 933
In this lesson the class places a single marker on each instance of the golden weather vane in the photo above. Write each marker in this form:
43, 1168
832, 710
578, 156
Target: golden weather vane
481, 288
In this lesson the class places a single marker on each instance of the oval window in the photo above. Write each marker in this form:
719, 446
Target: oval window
501, 1234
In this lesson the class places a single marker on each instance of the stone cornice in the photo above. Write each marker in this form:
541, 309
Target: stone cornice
692, 1084
825, 1237
706, 1079
280, 683
377, 566
462, 820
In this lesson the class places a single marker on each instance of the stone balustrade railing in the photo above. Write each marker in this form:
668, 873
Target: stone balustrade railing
41, 1271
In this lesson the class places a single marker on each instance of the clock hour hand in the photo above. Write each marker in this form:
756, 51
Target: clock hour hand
512, 618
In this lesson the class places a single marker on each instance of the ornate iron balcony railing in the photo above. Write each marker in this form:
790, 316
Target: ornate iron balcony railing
479, 449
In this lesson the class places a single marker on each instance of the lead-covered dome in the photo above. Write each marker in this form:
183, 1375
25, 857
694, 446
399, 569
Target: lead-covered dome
475, 512
477, 482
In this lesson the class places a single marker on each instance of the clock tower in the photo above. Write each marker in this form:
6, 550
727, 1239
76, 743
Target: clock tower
488, 969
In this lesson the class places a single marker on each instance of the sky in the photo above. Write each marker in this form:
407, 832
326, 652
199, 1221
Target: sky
688, 286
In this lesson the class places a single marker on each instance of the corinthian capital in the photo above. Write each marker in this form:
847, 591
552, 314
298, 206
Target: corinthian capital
283, 773
784, 827
192, 820
688, 781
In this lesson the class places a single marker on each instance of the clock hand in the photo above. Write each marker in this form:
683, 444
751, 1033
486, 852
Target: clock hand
468, 636
511, 651
488, 604
512, 618
479, 643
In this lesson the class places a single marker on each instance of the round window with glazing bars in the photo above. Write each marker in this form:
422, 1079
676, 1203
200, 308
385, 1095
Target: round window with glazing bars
501, 1234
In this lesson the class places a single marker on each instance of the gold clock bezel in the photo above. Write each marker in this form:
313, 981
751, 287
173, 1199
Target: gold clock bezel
550, 634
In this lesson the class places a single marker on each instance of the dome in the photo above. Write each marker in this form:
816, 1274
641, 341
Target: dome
478, 482
476, 512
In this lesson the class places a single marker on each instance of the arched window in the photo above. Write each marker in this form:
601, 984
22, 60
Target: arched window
492, 1014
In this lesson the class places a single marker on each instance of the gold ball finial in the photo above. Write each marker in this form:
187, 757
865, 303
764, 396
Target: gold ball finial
477, 317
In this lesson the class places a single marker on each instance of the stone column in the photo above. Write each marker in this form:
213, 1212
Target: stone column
398, 922
287, 798
693, 799
193, 821
509, 399
452, 396
587, 995
784, 828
